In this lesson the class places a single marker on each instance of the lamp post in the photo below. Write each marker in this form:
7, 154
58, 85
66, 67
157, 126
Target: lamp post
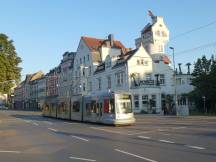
175, 93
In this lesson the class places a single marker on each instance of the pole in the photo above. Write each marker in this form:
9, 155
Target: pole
175, 91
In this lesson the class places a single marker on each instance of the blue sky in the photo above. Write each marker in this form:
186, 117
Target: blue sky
43, 30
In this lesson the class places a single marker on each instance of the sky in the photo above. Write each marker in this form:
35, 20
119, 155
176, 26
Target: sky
42, 30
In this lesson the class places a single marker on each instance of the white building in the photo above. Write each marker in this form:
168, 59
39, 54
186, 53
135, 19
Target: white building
106, 65
90, 54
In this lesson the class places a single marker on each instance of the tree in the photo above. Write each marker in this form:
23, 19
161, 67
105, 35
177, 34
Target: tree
9, 64
204, 82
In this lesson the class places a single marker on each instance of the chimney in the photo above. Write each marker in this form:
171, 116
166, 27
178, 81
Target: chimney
111, 39
188, 65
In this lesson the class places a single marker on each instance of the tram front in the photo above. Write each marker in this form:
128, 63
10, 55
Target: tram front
124, 113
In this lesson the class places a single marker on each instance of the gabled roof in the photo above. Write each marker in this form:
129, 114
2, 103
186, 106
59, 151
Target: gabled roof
122, 60
95, 43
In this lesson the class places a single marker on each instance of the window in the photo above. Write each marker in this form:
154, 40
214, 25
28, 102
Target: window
160, 48
153, 101
142, 62
144, 101
109, 106
88, 109
148, 76
108, 81
93, 106
108, 64
162, 79
99, 83
90, 86
83, 86
80, 60
120, 78
89, 70
136, 101
83, 71
178, 81
76, 106
84, 59
138, 62
88, 57
145, 63
124, 104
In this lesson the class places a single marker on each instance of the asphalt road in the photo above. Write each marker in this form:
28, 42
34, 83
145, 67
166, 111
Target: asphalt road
29, 137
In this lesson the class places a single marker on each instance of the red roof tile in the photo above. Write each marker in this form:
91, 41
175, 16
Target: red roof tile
94, 42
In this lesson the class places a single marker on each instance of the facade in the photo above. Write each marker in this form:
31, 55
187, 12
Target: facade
65, 80
41, 91
26, 94
19, 96
89, 55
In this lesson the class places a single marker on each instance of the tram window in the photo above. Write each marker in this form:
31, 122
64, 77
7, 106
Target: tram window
93, 106
100, 109
111, 106
76, 106
88, 109
97, 109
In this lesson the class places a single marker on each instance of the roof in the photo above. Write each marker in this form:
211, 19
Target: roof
95, 43
147, 28
122, 60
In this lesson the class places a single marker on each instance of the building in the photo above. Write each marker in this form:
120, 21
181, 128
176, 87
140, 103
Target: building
65, 81
25, 94
41, 88
19, 96
107, 65
52, 84
89, 55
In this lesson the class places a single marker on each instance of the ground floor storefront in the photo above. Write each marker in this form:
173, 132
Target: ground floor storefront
154, 101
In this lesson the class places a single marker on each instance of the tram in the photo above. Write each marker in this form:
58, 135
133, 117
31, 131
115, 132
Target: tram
103, 107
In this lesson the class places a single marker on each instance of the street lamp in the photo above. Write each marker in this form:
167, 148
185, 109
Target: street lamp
175, 93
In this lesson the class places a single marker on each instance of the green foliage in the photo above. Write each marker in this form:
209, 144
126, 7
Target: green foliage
204, 82
9, 64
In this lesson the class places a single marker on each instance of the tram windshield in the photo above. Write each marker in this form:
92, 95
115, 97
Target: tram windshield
123, 102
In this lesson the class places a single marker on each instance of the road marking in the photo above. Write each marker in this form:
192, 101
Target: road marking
161, 130
144, 137
27, 121
165, 141
179, 128
140, 157
143, 132
80, 138
195, 147
50, 123
166, 134
35, 124
54, 130
83, 159
106, 130
15, 152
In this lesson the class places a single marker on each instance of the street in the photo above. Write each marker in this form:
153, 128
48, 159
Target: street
27, 136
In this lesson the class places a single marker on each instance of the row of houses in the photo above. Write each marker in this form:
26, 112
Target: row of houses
107, 65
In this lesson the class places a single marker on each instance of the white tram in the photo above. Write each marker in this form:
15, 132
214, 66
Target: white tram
104, 107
